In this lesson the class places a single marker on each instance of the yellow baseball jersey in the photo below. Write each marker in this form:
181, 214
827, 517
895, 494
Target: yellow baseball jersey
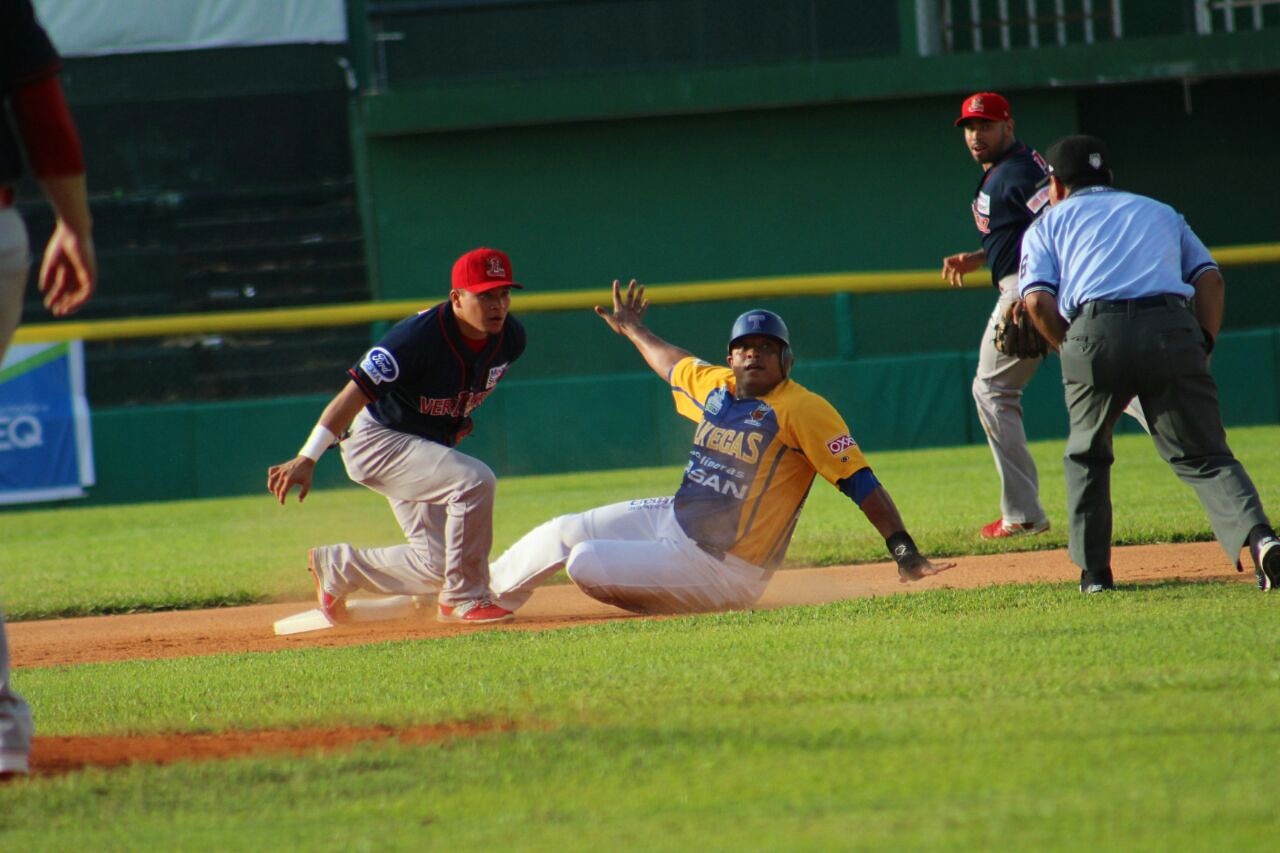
754, 460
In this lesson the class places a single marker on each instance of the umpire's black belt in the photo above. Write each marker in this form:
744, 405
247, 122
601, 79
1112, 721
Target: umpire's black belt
1133, 306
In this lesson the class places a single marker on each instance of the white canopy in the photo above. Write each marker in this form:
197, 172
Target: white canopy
100, 27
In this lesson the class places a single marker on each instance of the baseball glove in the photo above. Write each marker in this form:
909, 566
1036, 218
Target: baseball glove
1017, 336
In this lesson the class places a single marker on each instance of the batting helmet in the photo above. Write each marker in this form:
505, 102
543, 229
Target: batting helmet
758, 321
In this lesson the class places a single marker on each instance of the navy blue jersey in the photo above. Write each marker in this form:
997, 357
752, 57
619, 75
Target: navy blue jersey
26, 55
425, 380
1005, 203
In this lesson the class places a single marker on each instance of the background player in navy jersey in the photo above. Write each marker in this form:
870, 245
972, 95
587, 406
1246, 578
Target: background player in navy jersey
407, 403
1008, 199
31, 94
1005, 203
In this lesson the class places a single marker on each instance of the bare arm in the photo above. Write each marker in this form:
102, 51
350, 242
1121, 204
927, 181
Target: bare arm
955, 267
336, 418
627, 320
880, 510
1044, 314
69, 270
1211, 295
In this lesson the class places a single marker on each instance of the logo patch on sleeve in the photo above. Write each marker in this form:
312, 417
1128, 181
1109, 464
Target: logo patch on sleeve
1039, 200
381, 366
840, 444
495, 373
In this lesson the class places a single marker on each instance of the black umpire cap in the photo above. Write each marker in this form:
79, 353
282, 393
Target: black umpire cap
1079, 161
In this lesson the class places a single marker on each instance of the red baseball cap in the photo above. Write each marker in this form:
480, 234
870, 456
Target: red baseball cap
986, 105
483, 269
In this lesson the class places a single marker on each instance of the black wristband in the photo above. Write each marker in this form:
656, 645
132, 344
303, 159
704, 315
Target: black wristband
901, 547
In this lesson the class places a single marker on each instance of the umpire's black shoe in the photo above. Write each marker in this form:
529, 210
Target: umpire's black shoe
1100, 581
1267, 563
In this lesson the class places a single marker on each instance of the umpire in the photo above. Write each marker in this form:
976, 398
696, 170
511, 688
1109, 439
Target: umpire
1109, 278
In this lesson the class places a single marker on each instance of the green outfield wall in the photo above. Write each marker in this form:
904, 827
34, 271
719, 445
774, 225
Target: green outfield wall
623, 419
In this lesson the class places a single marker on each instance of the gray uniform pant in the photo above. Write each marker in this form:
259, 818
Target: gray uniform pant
15, 261
633, 555
997, 391
1150, 349
15, 717
443, 500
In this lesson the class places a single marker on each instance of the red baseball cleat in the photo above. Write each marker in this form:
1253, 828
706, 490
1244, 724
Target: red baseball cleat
1001, 529
333, 607
477, 612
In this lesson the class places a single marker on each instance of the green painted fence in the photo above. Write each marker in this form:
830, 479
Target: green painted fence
612, 421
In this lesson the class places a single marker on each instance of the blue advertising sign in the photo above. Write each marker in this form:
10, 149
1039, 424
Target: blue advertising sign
46, 444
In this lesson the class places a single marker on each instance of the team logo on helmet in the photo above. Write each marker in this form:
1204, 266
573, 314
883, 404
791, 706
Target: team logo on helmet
493, 267
1095, 160
975, 104
381, 366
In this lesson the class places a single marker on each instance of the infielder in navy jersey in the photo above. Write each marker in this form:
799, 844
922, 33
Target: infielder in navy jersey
1004, 204
32, 96
406, 404
1007, 200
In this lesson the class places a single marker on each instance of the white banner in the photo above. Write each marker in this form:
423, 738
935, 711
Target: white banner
101, 27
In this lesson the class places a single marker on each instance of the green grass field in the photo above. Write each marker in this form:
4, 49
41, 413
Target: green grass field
1017, 717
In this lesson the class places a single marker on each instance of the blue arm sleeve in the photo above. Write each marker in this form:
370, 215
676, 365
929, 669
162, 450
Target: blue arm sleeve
860, 485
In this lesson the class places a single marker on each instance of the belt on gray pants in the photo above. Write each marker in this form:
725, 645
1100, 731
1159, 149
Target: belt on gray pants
1132, 306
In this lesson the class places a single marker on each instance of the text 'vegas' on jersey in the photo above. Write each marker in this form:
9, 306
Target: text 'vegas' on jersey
740, 444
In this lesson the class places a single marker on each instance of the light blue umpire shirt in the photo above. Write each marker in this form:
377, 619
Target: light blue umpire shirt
1104, 243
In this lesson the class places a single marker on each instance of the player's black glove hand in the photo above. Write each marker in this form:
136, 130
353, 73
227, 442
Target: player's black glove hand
1017, 336
912, 565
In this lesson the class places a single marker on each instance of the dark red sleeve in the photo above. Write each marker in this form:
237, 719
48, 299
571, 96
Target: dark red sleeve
48, 131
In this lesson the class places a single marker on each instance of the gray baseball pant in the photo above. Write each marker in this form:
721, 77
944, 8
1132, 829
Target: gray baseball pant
443, 500
15, 262
997, 391
15, 714
1113, 352
15, 717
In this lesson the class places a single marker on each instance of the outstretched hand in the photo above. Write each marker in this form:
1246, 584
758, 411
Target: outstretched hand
283, 477
628, 308
918, 567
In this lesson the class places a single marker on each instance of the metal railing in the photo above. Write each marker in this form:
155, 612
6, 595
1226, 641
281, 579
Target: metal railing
1227, 19
969, 24
563, 300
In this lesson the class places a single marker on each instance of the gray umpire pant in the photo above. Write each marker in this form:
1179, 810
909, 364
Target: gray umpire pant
1152, 349
443, 500
15, 717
